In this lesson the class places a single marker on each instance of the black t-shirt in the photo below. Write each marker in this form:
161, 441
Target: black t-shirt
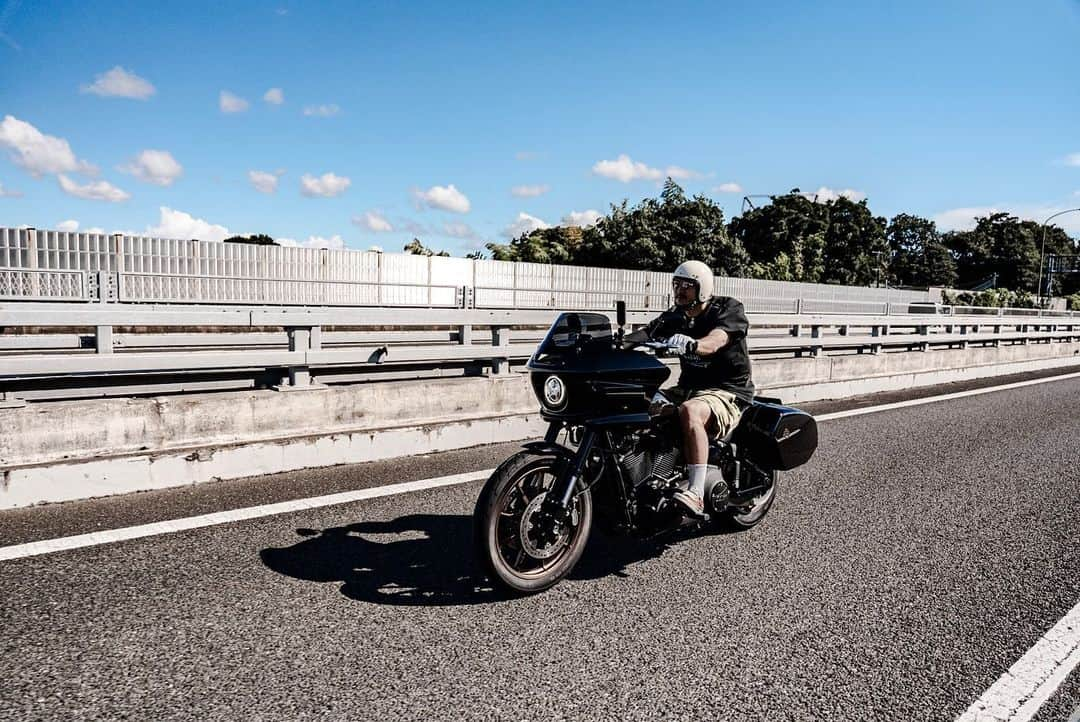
728, 368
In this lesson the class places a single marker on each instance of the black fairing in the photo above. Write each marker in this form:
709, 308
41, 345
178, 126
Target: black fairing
777, 437
602, 383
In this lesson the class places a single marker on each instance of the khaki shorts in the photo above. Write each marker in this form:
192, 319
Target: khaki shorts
724, 405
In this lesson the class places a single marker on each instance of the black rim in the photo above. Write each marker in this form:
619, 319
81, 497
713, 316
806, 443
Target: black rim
529, 557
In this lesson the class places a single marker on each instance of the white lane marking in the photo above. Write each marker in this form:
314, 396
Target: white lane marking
46, 546
252, 512
1021, 691
943, 397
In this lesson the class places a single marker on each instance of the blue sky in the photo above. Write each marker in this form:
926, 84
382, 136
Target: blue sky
425, 117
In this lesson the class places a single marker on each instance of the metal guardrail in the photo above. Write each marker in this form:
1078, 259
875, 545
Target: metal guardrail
37, 285
113, 349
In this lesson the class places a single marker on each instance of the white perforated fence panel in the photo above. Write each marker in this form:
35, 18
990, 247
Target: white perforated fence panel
172, 270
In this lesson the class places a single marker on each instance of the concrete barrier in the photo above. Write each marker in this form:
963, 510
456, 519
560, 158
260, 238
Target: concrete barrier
78, 449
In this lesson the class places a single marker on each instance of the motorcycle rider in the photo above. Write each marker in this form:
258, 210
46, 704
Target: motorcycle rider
715, 384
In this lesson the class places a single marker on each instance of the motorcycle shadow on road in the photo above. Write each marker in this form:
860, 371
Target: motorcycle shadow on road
428, 559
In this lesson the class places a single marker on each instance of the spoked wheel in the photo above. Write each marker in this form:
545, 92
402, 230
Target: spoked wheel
519, 545
749, 514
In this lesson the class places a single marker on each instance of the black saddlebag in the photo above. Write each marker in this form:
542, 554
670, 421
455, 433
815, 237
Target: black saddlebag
777, 437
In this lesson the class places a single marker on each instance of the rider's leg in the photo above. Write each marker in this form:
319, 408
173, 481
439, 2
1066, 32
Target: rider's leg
694, 417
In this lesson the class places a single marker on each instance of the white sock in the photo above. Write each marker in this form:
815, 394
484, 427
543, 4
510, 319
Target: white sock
697, 478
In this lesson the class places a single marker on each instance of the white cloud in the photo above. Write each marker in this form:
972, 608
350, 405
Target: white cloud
460, 230
154, 166
335, 242
230, 103
825, 194
95, 230
963, 219
327, 185
274, 96
728, 188
373, 221
529, 191
8, 193
93, 191
264, 182
582, 218
624, 169
67, 226
1072, 159
322, 111
177, 224
524, 224
39, 153
120, 83
447, 198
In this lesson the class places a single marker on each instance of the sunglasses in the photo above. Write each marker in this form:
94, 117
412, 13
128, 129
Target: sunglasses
683, 285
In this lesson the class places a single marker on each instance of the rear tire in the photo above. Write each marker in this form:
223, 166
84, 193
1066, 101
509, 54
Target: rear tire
747, 517
502, 528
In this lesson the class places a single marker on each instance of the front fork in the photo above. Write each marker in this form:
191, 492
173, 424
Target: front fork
562, 493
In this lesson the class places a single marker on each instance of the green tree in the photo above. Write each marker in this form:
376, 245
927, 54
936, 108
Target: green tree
259, 239
661, 233
854, 244
919, 256
543, 245
795, 238
785, 239
416, 248
1058, 243
999, 244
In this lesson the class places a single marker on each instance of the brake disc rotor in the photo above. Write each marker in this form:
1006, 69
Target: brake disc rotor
526, 528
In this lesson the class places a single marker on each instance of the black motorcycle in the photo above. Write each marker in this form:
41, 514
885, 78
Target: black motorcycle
622, 459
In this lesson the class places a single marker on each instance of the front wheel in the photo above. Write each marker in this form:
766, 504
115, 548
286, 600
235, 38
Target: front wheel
516, 545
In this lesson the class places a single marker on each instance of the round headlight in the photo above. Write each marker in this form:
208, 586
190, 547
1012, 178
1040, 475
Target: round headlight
554, 392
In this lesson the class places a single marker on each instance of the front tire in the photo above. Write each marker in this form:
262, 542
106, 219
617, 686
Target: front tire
505, 532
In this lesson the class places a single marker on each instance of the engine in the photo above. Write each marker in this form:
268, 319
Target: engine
649, 457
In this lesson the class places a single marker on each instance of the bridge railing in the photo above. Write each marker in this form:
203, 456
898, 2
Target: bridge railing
61, 350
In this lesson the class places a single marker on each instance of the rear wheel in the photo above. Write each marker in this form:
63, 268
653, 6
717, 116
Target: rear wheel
750, 514
516, 543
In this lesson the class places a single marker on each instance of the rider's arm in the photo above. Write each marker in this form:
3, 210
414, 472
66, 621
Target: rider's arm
712, 342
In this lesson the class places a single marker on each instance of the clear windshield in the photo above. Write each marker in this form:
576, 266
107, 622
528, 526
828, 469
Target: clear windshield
572, 330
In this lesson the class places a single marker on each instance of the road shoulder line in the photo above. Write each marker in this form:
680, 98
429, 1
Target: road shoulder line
1019, 693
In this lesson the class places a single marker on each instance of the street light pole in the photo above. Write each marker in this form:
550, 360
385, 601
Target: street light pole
1042, 254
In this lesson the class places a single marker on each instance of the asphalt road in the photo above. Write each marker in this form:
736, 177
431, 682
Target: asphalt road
920, 553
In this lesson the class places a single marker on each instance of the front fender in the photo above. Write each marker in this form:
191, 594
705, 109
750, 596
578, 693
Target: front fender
545, 447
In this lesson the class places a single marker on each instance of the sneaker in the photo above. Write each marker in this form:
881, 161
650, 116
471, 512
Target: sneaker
692, 504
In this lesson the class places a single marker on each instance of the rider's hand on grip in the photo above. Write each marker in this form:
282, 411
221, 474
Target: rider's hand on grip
681, 344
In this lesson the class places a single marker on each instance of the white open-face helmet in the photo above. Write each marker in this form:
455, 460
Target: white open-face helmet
699, 273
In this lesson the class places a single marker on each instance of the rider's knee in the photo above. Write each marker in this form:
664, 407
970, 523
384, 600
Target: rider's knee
689, 417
